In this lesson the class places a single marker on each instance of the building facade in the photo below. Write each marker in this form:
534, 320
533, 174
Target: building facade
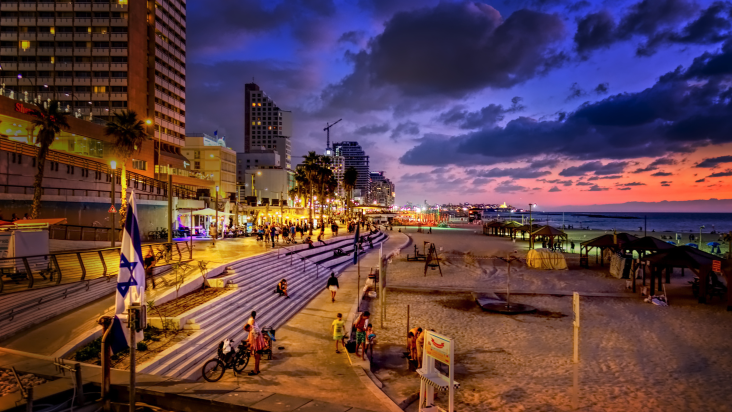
266, 126
209, 156
354, 156
100, 57
382, 191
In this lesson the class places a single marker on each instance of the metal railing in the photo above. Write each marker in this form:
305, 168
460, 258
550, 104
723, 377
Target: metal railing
76, 232
39, 271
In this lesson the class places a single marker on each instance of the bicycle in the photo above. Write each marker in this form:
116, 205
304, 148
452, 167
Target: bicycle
236, 359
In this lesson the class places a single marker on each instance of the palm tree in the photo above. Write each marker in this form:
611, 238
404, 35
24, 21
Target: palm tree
324, 187
128, 134
350, 176
311, 168
50, 121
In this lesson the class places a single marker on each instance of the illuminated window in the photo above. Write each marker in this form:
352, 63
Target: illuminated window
53, 30
25, 44
259, 123
253, 123
259, 104
254, 104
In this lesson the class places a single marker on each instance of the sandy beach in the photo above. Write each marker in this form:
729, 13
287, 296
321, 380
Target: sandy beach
634, 355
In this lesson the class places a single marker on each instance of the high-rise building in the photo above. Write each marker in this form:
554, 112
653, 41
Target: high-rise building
97, 57
354, 156
382, 191
209, 156
266, 126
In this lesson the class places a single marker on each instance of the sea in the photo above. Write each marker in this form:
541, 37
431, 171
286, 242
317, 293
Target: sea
652, 222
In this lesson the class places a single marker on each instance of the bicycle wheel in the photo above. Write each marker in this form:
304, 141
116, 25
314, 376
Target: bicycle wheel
213, 370
242, 361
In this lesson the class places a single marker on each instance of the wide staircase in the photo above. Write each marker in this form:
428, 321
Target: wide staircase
306, 271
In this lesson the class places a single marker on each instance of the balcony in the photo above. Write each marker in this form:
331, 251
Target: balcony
100, 66
82, 36
9, 5
64, 6
100, 52
118, 82
64, 52
64, 66
26, 36
119, 37
82, 81
27, 6
100, 81
64, 36
45, 37
118, 51
82, 52
45, 7
10, 66
26, 66
100, 22
118, 22
46, 51
45, 66
82, 22
27, 21
64, 22
100, 96
63, 81
118, 66
82, 66
40, 81
100, 7
118, 96
82, 6
8, 21
9, 36
45, 21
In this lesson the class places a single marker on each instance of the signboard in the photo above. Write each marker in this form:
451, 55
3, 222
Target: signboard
717, 265
112, 209
437, 346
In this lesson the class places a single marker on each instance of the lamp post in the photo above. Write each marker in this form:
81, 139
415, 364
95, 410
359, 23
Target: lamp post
73, 96
112, 167
700, 237
149, 122
531, 227
217, 212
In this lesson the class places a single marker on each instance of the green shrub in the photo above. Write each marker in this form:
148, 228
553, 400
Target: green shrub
141, 346
92, 350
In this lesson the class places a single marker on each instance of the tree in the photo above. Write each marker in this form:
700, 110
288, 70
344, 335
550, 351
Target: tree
350, 176
129, 134
50, 121
324, 184
311, 169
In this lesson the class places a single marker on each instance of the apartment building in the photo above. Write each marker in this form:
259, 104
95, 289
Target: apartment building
354, 156
266, 125
100, 56
209, 156
382, 191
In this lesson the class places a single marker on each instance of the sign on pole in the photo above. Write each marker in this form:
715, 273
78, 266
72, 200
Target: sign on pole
717, 265
437, 348
112, 209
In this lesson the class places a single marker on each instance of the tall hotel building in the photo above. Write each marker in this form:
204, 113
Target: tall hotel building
266, 126
354, 156
97, 57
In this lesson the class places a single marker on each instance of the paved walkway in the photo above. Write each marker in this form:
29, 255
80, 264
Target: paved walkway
51, 336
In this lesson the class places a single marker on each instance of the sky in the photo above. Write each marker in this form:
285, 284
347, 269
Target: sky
544, 101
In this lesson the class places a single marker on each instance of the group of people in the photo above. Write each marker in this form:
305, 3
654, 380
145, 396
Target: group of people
365, 336
415, 345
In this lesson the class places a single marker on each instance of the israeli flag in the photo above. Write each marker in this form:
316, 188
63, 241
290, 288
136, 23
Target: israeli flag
130, 279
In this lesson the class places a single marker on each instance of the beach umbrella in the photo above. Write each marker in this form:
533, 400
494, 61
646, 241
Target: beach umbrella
713, 244
671, 242
693, 245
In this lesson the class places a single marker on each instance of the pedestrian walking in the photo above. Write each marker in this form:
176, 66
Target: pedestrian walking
213, 233
360, 324
320, 237
571, 246
338, 327
332, 286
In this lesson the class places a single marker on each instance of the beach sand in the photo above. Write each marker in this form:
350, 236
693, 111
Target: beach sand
634, 355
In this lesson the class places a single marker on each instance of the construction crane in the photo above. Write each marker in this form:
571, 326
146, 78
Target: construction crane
327, 130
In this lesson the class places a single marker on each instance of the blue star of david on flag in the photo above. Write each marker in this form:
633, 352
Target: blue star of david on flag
130, 278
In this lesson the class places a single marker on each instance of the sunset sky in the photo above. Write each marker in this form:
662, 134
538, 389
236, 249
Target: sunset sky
554, 102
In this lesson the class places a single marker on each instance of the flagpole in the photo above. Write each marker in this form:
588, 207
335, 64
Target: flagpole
131, 315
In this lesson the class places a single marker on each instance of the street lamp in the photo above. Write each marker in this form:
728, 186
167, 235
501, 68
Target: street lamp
531, 227
217, 213
160, 137
112, 167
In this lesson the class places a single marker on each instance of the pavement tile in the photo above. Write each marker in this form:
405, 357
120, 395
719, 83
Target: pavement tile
241, 398
280, 403
320, 406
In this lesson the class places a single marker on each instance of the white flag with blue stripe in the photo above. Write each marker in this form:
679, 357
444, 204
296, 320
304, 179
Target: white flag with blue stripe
131, 276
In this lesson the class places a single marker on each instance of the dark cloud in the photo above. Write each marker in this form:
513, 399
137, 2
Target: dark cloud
655, 22
661, 161
383, 9
602, 88
555, 189
372, 129
665, 183
702, 180
596, 167
714, 161
482, 118
508, 186
596, 188
584, 184
577, 6
662, 174
222, 24
575, 92
545, 162
514, 173
644, 169
355, 37
632, 184
407, 128
450, 50
726, 173
684, 110
593, 178
623, 188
